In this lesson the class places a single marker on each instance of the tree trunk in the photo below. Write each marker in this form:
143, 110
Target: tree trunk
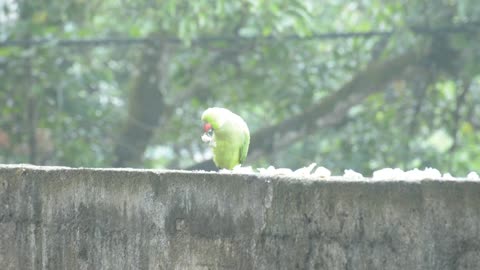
145, 106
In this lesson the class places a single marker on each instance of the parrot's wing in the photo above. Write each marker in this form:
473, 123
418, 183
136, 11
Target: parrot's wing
244, 149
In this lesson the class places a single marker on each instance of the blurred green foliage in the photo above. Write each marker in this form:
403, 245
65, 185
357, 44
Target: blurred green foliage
67, 103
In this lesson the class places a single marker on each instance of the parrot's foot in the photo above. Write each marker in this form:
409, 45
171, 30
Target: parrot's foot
239, 169
209, 139
206, 138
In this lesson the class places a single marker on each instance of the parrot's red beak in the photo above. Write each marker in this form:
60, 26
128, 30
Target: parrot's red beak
208, 135
207, 127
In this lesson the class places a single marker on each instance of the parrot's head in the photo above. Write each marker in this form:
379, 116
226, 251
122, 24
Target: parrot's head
213, 119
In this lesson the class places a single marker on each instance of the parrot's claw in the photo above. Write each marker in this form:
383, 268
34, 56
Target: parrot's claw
206, 138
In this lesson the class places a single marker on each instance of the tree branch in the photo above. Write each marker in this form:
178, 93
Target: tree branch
467, 27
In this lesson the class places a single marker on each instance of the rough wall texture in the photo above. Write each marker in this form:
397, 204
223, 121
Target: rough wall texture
60, 218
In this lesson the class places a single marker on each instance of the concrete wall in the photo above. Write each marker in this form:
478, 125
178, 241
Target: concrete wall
60, 218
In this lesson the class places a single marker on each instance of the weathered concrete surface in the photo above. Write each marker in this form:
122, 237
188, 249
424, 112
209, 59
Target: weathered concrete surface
60, 218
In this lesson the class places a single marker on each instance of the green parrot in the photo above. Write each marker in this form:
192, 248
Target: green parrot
228, 135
